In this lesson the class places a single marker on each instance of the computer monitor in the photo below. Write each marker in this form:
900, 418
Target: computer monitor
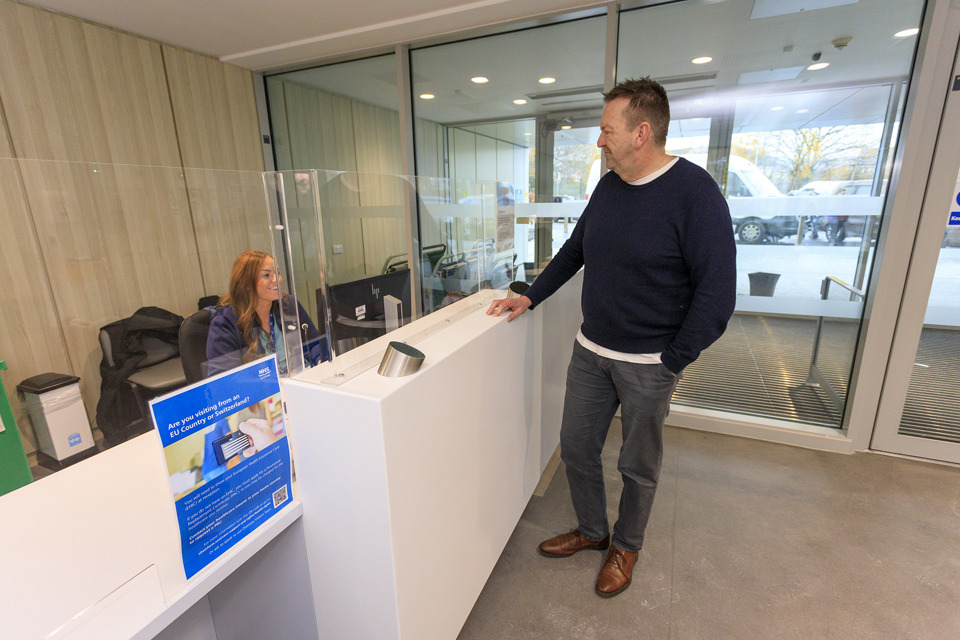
357, 307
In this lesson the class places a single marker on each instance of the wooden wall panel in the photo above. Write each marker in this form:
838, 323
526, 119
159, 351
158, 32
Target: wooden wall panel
215, 110
74, 91
321, 137
280, 132
382, 237
6, 151
431, 231
114, 239
346, 231
429, 142
29, 324
98, 217
378, 161
80, 101
305, 252
230, 216
465, 151
321, 126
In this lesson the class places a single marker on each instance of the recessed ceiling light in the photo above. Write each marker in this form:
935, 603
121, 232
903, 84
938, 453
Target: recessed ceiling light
519, 101
427, 96
565, 127
527, 133
906, 33
479, 79
776, 108
803, 110
701, 60
547, 80
818, 65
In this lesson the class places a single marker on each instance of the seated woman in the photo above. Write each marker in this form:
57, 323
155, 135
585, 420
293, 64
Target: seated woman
248, 325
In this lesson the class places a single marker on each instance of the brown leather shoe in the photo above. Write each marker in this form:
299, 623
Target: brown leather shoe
567, 544
617, 572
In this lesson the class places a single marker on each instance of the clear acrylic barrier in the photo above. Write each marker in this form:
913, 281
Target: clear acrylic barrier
467, 235
343, 249
100, 241
347, 368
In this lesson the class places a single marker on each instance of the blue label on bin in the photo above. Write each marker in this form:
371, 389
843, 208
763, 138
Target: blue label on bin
73, 439
955, 217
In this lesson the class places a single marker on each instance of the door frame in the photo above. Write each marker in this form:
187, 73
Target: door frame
938, 194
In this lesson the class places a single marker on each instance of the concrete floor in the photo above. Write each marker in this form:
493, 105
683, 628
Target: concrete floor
747, 540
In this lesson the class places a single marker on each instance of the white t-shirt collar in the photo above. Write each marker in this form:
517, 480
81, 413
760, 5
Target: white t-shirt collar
656, 174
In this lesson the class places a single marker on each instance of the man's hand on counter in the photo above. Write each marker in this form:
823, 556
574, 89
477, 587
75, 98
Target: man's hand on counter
516, 306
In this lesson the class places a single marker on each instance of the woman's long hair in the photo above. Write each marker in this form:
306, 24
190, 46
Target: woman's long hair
243, 297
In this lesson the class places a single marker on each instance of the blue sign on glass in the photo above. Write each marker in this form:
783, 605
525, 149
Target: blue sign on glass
228, 461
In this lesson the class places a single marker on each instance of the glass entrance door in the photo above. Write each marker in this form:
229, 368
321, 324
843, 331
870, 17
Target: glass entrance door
919, 411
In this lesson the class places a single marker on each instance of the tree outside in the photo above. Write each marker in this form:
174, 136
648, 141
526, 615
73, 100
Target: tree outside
792, 158
571, 168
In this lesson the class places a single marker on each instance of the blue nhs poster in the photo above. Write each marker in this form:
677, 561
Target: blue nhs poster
228, 460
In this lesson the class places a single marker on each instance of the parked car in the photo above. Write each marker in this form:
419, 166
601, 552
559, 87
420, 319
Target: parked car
836, 226
756, 205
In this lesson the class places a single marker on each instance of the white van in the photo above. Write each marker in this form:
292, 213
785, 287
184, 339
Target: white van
755, 202
757, 207
593, 178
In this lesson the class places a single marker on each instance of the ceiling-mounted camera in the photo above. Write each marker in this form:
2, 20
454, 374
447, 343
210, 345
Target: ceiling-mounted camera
841, 43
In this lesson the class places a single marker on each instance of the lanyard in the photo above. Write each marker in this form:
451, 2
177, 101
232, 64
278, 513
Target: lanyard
270, 342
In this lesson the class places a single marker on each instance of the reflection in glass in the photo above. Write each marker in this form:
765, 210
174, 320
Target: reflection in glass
147, 242
347, 261
803, 158
535, 142
932, 409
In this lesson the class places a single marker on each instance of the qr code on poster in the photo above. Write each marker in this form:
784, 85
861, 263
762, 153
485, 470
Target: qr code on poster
279, 496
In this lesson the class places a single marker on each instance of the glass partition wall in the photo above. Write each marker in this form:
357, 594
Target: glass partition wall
799, 133
932, 409
347, 264
504, 167
490, 109
113, 257
795, 112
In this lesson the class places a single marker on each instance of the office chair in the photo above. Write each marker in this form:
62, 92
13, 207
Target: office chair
394, 263
158, 372
193, 345
433, 253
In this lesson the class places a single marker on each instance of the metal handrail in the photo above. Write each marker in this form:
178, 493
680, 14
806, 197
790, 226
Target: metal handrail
815, 377
825, 287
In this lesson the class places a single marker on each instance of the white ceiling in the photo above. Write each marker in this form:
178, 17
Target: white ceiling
268, 34
659, 41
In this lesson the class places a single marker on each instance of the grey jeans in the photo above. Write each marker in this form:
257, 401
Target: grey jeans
596, 386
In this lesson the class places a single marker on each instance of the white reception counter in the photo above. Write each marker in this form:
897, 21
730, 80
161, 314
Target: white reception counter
412, 486
408, 487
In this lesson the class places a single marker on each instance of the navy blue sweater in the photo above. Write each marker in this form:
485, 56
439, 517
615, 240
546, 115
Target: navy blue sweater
659, 263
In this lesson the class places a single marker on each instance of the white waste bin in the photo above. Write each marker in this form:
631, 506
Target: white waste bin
55, 408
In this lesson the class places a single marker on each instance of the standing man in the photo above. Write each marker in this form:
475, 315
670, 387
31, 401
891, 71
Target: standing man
659, 285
